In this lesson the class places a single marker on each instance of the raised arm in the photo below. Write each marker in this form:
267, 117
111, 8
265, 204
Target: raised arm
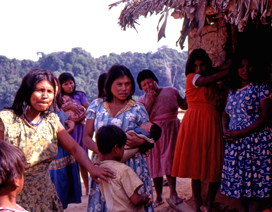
223, 71
71, 146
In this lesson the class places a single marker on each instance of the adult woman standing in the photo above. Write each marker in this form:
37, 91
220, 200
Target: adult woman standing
162, 105
248, 150
68, 87
29, 125
199, 149
118, 109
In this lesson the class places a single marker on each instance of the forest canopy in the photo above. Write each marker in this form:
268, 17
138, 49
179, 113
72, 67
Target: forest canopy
166, 63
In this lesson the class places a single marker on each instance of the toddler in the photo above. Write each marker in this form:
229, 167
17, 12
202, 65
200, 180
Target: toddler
121, 193
12, 167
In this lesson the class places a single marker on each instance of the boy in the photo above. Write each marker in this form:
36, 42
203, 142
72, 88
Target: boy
12, 167
121, 194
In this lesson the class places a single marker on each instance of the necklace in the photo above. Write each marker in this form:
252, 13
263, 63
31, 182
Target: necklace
34, 124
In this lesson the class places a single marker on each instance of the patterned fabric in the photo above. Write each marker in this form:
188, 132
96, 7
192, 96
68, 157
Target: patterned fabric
40, 148
247, 161
132, 115
164, 113
64, 174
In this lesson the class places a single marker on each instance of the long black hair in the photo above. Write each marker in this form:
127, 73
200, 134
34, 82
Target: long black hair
27, 87
101, 85
113, 73
199, 54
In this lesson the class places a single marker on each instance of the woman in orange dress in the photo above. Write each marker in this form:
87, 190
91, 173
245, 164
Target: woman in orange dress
199, 148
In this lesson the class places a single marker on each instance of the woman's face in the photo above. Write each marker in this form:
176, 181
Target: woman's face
43, 96
200, 67
245, 70
149, 84
68, 86
121, 88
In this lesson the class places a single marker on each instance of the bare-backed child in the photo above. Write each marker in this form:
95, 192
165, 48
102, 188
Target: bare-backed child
12, 167
121, 193
149, 131
71, 115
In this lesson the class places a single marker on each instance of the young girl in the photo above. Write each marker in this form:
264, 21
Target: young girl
246, 171
199, 148
12, 167
68, 87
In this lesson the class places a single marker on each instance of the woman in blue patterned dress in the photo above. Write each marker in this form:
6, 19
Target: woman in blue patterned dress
118, 109
248, 150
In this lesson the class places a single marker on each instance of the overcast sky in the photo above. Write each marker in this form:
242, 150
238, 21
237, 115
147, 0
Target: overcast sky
31, 26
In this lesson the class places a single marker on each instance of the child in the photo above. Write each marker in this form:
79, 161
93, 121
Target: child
12, 167
71, 114
149, 131
121, 194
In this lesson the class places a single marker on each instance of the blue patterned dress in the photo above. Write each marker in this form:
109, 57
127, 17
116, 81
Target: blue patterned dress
247, 161
132, 115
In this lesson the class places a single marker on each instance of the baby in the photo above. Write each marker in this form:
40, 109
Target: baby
71, 115
121, 193
12, 167
149, 131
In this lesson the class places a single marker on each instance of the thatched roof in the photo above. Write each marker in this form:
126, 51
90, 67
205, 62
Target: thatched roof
196, 13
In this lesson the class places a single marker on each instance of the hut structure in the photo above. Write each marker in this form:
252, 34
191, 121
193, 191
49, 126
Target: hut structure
218, 26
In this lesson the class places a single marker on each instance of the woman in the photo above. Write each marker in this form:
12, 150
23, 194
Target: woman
29, 125
118, 109
64, 169
199, 148
162, 105
68, 87
248, 150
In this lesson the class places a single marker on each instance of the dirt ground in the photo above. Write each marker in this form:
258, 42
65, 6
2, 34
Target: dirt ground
183, 189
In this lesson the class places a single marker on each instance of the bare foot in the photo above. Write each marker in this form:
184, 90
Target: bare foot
204, 208
157, 203
176, 199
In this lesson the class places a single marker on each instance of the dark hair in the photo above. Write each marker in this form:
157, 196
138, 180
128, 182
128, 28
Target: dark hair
27, 87
235, 80
101, 84
64, 77
145, 74
199, 54
12, 163
113, 73
155, 131
108, 136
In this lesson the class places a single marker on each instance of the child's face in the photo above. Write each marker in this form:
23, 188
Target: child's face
146, 126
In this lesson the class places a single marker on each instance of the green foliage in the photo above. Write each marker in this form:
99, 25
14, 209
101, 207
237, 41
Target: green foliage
166, 63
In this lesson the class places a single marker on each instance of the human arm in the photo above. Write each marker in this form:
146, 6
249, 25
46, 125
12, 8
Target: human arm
140, 199
72, 147
88, 136
150, 96
182, 103
258, 124
222, 72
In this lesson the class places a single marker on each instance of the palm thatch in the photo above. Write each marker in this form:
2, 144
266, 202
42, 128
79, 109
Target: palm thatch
196, 13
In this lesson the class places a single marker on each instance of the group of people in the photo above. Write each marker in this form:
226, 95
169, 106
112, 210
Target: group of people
50, 126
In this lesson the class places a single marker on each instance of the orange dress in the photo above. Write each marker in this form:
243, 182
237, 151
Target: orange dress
199, 148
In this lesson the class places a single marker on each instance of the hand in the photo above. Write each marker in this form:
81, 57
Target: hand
133, 140
151, 95
233, 135
101, 172
147, 201
70, 124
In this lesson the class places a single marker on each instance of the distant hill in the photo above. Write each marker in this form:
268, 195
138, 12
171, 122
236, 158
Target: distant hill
166, 63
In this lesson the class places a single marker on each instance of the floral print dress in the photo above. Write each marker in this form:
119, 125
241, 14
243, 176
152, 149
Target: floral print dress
132, 115
247, 161
40, 146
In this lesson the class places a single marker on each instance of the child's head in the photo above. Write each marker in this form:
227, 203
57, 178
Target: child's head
12, 166
65, 98
153, 129
109, 138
